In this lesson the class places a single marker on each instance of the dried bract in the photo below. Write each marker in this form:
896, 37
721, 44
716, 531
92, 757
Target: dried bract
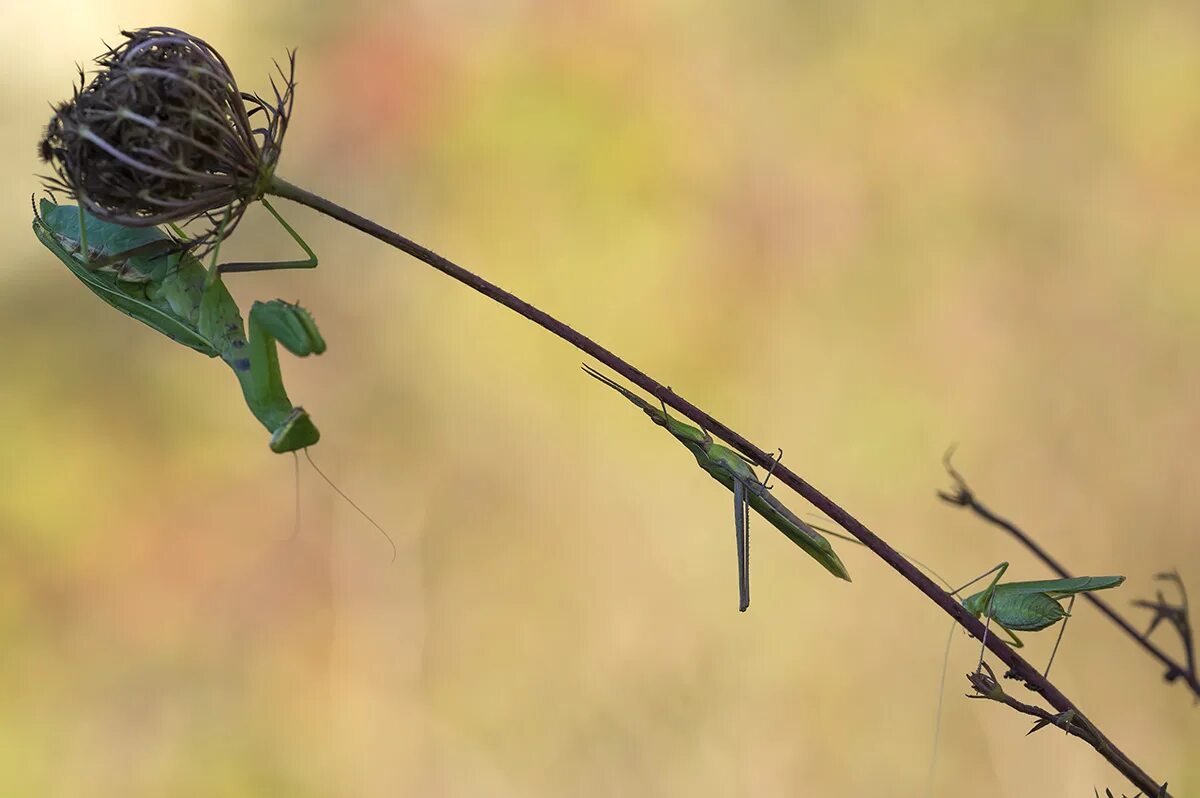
163, 134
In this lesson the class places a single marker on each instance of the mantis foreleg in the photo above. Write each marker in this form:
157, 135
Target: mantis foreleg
259, 375
255, 360
741, 522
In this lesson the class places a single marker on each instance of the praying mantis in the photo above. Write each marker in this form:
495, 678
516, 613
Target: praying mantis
153, 278
731, 470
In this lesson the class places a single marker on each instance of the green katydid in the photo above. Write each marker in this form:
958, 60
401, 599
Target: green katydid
1029, 606
152, 278
731, 470
1022, 606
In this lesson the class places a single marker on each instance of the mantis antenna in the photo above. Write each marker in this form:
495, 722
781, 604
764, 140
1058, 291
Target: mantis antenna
349, 501
296, 464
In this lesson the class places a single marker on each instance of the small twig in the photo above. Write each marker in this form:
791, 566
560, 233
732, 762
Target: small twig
1072, 722
963, 496
1109, 793
1177, 615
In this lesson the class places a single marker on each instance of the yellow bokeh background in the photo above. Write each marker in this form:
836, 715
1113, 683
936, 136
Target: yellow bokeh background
859, 231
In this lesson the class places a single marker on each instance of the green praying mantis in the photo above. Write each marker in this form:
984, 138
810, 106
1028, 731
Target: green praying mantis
153, 278
731, 470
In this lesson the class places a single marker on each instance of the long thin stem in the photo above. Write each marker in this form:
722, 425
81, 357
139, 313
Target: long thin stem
949, 605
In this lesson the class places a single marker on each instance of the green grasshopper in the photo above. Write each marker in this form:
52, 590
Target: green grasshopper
1029, 606
155, 279
731, 470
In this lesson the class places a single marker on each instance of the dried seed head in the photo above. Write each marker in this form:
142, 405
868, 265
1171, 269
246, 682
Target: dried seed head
163, 134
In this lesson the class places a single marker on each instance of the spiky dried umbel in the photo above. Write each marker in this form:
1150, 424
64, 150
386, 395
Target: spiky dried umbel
163, 134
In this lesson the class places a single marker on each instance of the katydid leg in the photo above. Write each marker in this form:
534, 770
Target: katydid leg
1061, 632
991, 594
998, 570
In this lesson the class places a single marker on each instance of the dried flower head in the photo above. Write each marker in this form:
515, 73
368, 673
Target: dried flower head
163, 134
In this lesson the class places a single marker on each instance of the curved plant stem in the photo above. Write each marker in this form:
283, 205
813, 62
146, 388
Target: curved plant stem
1022, 669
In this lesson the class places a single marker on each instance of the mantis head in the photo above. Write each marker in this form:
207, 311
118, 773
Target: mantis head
685, 433
296, 432
689, 434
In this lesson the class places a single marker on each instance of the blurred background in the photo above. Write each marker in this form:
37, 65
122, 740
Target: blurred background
858, 231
